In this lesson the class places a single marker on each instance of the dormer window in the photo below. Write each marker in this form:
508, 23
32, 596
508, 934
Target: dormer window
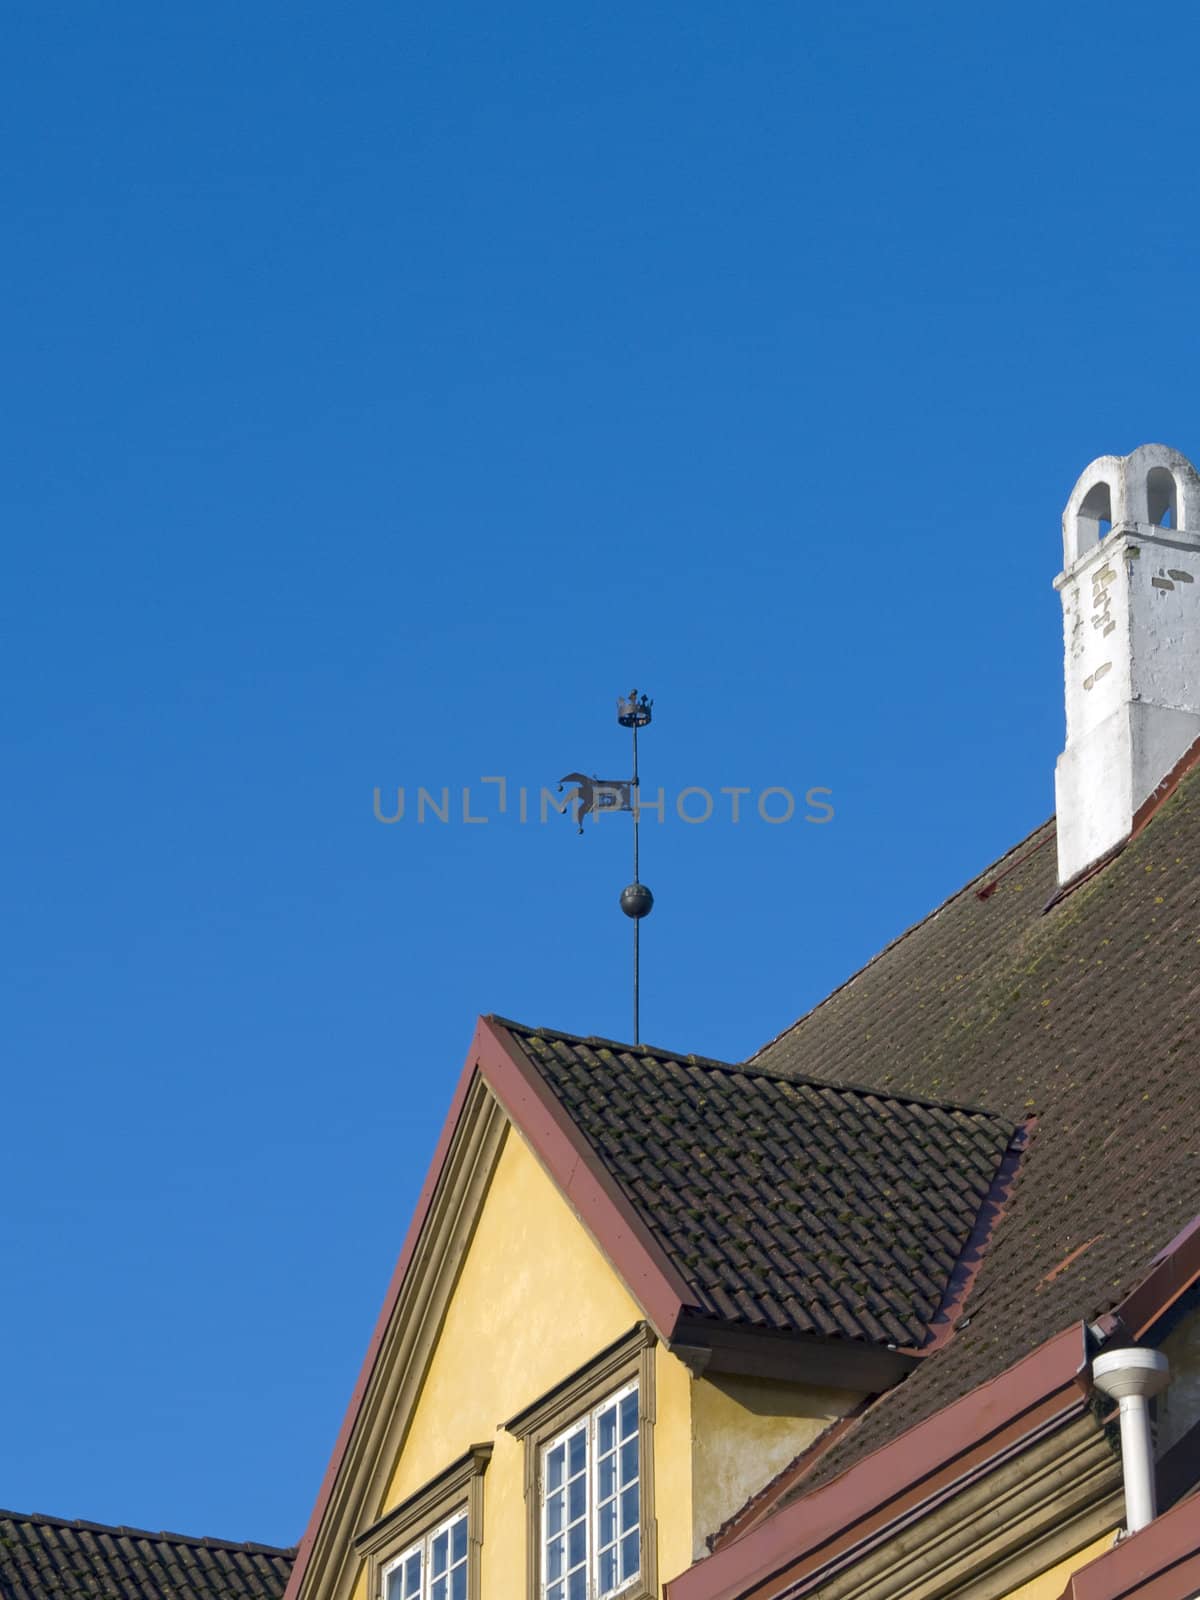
428, 1547
435, 1568
589, 1470
591, 1503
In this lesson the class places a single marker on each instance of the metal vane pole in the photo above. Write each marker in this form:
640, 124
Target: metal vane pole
636, 899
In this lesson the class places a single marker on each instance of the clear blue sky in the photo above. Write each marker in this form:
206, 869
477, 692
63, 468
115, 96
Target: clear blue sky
386, 388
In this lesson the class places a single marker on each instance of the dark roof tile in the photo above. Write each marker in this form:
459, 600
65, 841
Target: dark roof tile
49, 1558
1086, 1014
749, 1177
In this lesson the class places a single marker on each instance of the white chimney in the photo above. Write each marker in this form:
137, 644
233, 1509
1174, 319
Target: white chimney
1130, 590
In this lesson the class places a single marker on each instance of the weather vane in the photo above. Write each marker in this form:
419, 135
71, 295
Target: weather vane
594, 795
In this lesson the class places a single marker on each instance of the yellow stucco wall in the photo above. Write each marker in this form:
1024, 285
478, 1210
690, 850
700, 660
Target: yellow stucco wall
535, 1300
673, 1464
1050, 1584
744, 1431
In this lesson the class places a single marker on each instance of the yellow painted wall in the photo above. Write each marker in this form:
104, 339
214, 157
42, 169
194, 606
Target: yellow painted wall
673, 1464
744, 1431
536, 1299
1050, 1584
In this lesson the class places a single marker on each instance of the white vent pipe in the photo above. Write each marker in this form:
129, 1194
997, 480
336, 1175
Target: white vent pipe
1132, 1376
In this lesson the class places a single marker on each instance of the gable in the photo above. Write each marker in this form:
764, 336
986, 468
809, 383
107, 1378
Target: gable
535, 1299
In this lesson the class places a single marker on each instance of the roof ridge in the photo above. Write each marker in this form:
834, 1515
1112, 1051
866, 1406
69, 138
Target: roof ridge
943, 905
44, 1519
750, 1069
659, 1051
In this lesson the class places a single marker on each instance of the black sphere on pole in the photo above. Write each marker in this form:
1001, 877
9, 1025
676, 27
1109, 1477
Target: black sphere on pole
636, 901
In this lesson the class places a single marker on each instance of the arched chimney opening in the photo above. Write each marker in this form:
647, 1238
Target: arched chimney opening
1094, 518
1162, 497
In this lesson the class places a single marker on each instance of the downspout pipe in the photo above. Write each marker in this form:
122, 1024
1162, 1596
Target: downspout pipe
1131, 1376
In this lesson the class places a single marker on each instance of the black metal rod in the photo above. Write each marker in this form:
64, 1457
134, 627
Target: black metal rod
636, 926
636, 920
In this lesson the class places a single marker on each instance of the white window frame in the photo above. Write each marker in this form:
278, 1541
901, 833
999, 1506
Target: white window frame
424, 1546
589, 1421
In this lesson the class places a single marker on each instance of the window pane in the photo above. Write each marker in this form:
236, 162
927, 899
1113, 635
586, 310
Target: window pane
630, 1551
437, 1589
629, 1461
554, 1560
458, 1582
554, 1466
608, 1572
606, 1429
576, 1451
458, 1539
608, 1524
577, 1585
629, 1414
412, 1575
629, 1508
554, 1515
608, 1477
577, 1545
554, 1592
441, 1554
395, 1584
577, 1501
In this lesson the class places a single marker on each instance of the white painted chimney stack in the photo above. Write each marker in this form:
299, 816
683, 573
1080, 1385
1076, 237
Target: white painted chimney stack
1130, 588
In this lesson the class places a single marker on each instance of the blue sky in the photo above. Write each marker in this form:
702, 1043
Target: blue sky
386, 389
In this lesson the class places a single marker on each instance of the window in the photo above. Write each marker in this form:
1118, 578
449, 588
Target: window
428, 1547
435, 1568
589, 1480
591, 1503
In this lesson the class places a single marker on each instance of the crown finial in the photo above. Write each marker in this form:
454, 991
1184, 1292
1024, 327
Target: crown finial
633, 712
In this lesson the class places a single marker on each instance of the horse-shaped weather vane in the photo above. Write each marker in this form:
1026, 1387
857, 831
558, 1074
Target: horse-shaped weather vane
594, 795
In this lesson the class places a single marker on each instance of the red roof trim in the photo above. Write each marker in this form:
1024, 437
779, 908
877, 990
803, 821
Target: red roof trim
868, 1497
1161, 1562
807, 1534
571, 1163
577, 1170
1172, 1273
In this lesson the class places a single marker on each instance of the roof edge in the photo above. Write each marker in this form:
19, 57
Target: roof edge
581, 1178
747, 1069
992, 871
207, 1541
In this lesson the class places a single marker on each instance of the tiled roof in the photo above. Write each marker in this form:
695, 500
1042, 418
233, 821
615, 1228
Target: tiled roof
1086, 1014
783, 1204
47, 1558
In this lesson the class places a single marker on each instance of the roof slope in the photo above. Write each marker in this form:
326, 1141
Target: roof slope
783, 1204
1088, 1015
47, 1558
